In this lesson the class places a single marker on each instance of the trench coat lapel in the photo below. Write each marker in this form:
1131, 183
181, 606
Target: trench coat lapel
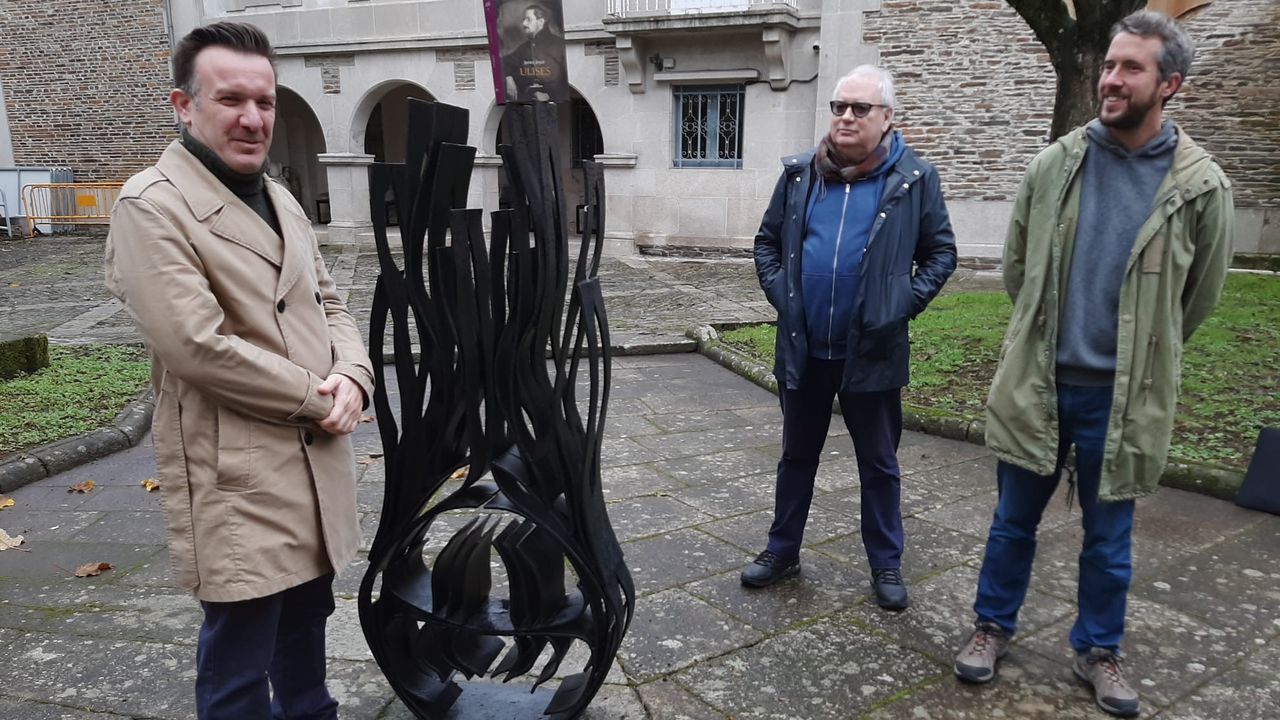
296, 230
206, 195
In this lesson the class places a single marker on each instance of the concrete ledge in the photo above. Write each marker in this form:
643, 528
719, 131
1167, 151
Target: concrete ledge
1219, 482
127, 430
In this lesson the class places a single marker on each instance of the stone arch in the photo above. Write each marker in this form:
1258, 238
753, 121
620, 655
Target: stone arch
296, 143
382, 114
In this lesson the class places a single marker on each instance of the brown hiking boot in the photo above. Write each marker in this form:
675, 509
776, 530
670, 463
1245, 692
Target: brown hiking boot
977, 660
1100, 670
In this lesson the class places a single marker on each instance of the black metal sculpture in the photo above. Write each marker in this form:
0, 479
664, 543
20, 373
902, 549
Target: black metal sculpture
491, 428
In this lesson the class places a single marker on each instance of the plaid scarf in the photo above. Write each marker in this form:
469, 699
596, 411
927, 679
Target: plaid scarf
833, 166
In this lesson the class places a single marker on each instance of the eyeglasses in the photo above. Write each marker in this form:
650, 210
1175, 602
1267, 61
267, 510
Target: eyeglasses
860, 109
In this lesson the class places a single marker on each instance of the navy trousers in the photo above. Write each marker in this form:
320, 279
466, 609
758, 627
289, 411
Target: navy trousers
248, 649
1105, 557
874, 421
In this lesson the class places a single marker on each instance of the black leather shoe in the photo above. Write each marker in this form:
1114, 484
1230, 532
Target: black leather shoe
768, 569
891, 591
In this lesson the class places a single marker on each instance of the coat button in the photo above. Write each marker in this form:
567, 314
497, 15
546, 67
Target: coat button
308, 438
906, 185
793, 333
318, 300
791, 294
797, 179
882, 215
793, 255
280, 306
915, 172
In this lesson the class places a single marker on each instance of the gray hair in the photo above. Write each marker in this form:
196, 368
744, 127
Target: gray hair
879, 74
1176, 48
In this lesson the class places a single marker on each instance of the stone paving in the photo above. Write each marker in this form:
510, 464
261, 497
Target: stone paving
688, 464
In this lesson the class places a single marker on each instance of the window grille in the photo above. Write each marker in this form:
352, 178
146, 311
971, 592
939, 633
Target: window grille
708, 126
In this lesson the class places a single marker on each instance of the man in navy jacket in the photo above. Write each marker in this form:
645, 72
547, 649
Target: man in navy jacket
856, 242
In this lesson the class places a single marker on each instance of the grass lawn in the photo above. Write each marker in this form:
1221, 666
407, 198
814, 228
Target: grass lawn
1230, 375
83, 389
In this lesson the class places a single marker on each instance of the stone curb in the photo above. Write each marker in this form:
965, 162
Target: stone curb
130, 425
1222, 483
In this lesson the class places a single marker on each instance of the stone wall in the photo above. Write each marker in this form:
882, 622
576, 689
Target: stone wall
1231, 103
974, 88
86, 84
976, 91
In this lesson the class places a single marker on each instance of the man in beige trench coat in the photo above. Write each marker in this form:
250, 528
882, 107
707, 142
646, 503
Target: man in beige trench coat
260, 374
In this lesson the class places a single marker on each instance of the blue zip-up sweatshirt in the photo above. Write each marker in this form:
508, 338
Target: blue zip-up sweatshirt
837, 228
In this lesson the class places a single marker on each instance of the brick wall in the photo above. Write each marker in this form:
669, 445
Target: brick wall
976, 91
86, 84
1231, 104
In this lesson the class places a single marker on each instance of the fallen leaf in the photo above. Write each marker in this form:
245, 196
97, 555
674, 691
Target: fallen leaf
6, 502
92, 569
7, 542
373, 458
460, 472
14, 285
150, 484
367, 418
81, 487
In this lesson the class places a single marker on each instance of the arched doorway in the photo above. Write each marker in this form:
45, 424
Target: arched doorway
297, 140
580, 139
381, 126
386, 130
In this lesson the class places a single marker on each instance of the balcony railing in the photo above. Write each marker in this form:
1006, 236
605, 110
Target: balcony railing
628, 8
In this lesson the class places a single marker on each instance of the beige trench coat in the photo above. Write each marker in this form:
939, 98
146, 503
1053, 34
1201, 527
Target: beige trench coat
242, 328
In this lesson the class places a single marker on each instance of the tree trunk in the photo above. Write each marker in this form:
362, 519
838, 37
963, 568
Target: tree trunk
1076, 101
1077, 40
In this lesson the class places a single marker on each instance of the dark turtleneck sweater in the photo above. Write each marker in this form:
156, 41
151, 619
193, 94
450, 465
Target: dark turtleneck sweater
251, 188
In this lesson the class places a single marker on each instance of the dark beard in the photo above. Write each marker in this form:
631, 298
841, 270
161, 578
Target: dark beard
1131, 118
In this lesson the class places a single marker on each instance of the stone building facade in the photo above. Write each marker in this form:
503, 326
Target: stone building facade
655, 84
84, 85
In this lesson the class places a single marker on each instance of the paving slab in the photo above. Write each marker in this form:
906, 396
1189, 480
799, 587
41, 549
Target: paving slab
620, 482
941, 615
121, 676
668, 699
673, 629
668, 560
929, 548
1167, 653
831, 668
824, 586
1250, 690
717, 466
47, 711
1028, 687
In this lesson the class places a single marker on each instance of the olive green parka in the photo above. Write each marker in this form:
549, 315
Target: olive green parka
1172, 282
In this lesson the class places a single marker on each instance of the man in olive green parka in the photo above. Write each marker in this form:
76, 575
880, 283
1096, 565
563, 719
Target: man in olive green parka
1117, 250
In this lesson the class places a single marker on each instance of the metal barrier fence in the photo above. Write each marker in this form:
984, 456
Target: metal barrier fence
67, 204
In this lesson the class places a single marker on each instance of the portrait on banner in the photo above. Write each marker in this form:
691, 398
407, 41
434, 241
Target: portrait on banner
526, 47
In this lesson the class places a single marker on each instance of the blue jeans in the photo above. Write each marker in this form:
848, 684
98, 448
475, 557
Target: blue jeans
874, 420
1105, 564
279, 638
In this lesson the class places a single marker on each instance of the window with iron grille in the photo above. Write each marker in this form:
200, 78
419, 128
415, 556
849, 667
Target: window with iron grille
708, 126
